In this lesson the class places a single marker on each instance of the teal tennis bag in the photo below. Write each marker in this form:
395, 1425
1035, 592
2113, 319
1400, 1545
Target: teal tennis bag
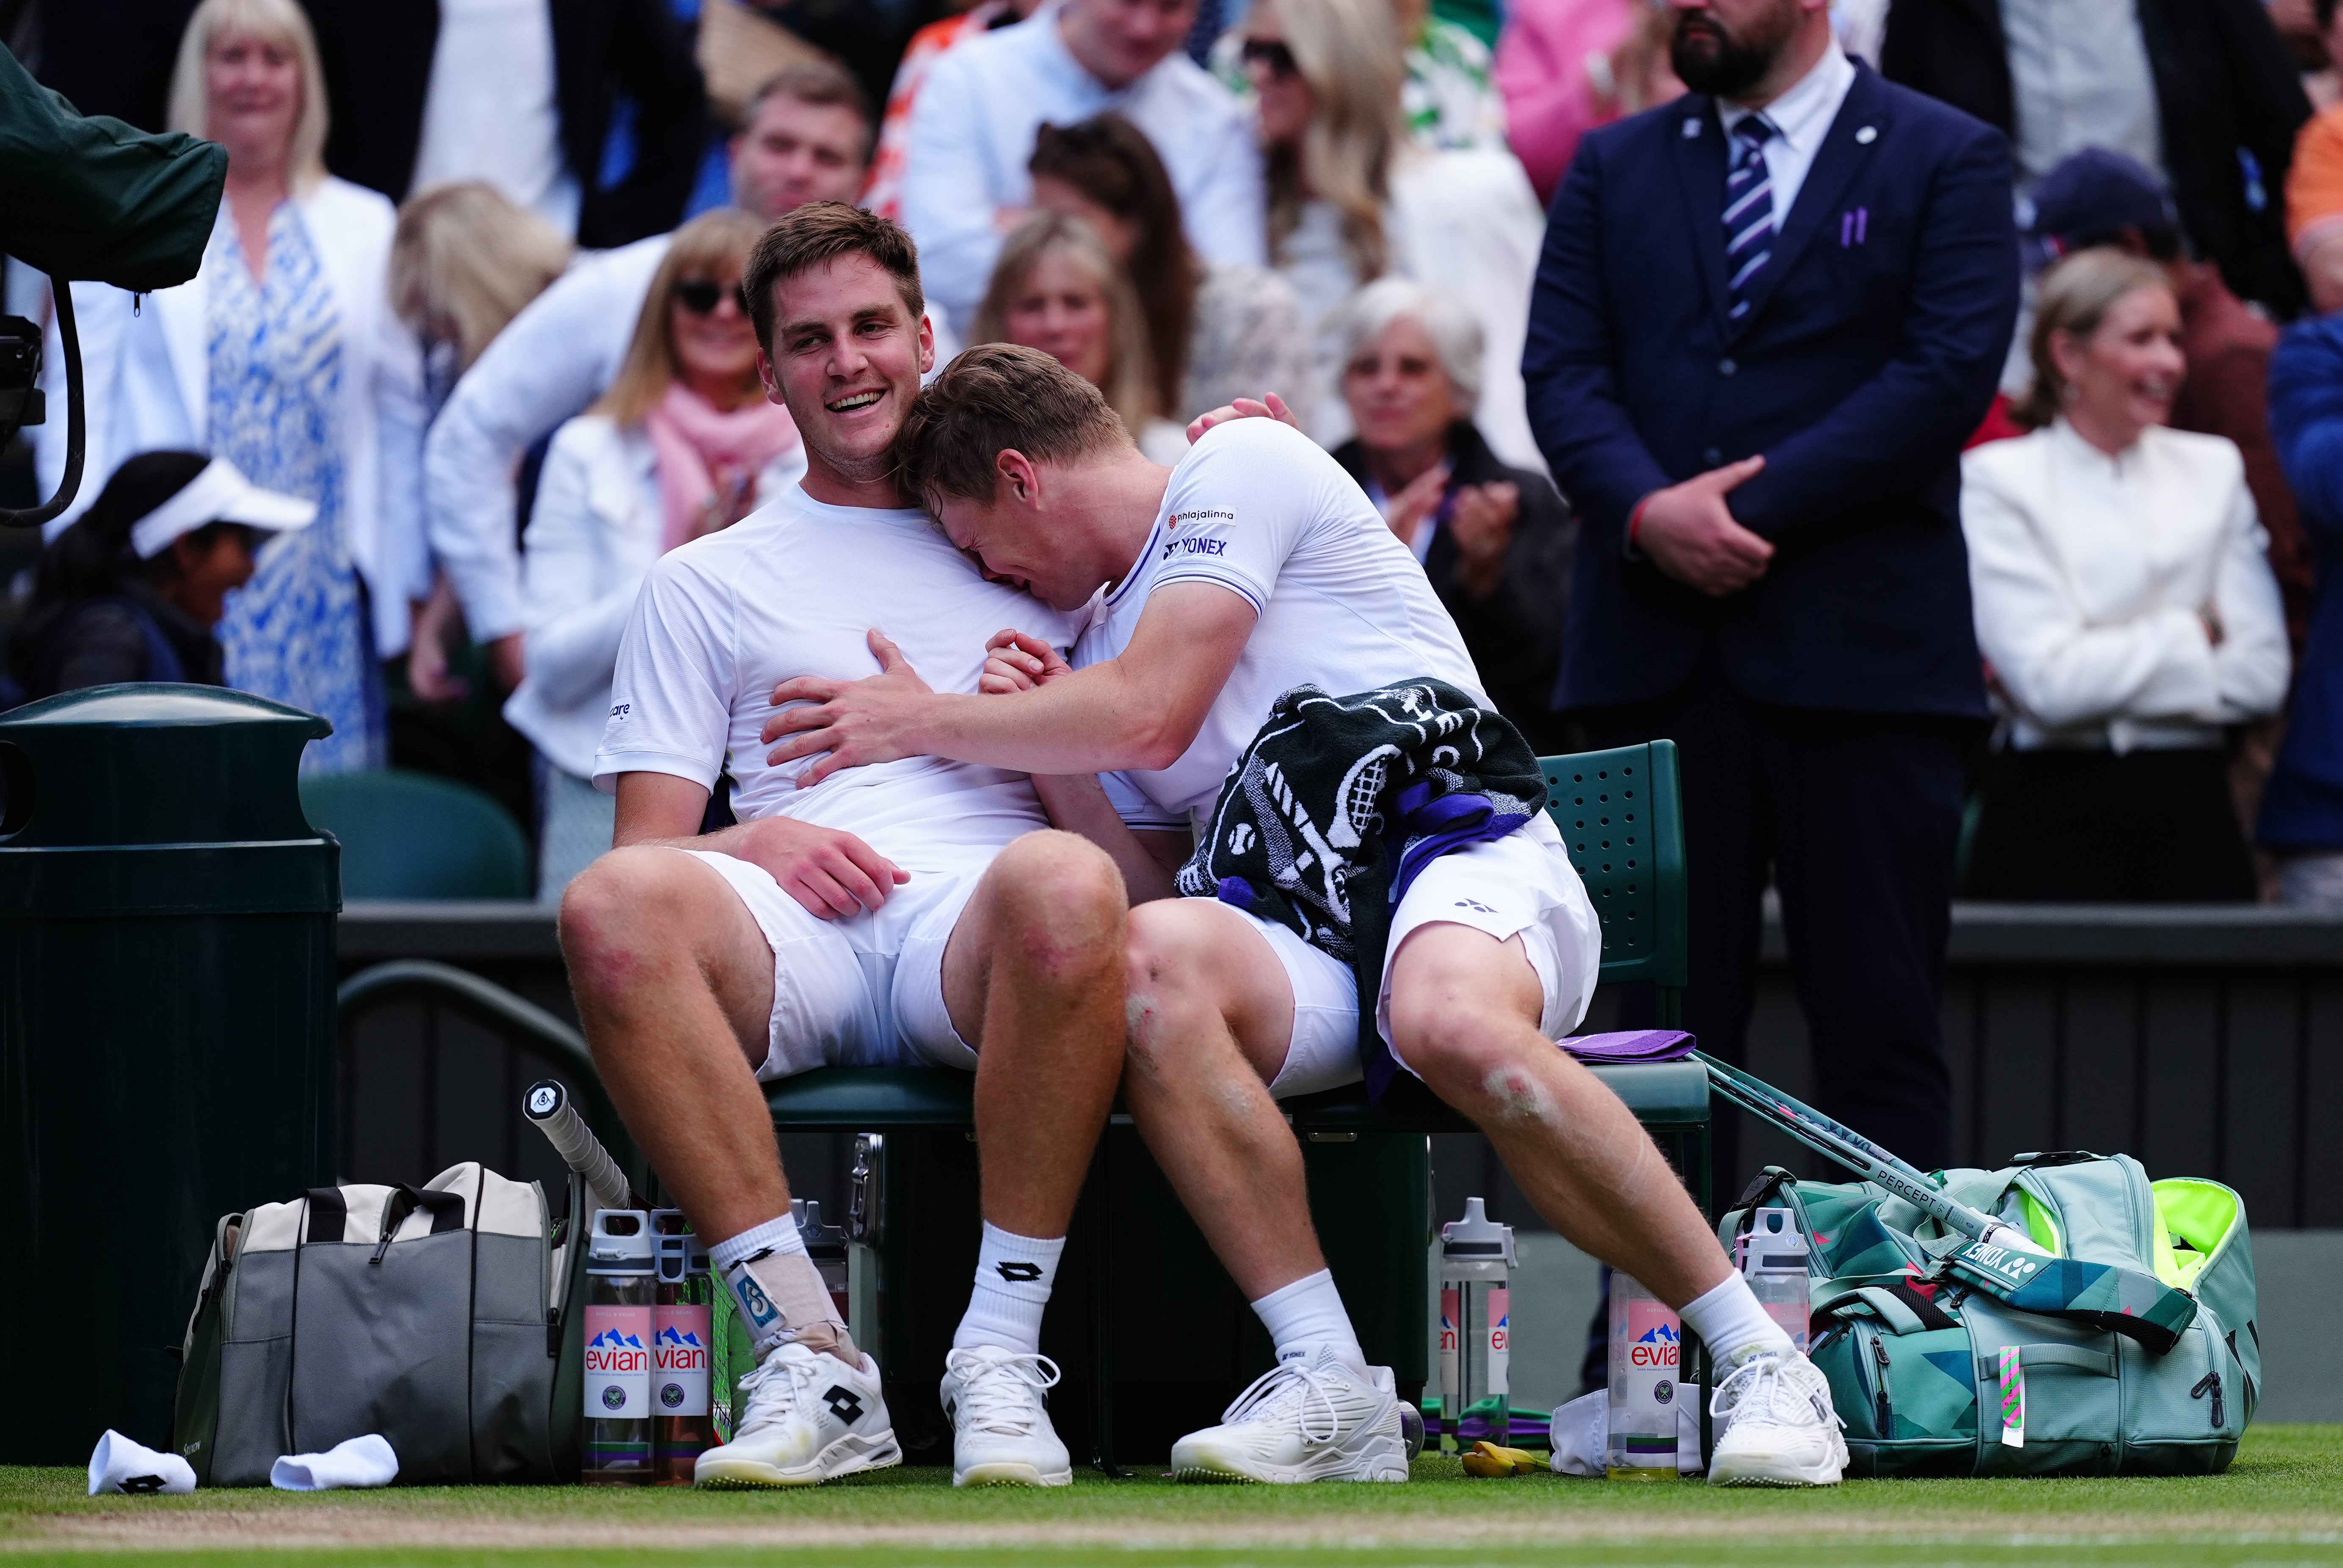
1941, 1367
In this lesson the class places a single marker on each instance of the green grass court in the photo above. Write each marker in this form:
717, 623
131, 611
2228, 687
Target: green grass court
2281, 1502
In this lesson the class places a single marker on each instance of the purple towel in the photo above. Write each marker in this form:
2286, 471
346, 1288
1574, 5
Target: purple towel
1631, 1045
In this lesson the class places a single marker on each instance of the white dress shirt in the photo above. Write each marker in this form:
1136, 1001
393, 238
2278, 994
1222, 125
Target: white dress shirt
2079, 77
490, 111
972, 130
2088, 571
1801, 118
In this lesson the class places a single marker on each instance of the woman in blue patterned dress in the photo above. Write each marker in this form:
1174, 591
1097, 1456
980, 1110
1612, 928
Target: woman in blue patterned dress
283, 356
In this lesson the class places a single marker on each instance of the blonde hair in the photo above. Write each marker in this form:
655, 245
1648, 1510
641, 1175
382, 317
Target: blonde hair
465, 260
1130, 388
2074, 298
715, 242
272, 22
1351, 54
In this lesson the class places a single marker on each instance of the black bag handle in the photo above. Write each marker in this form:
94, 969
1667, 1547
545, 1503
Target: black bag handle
446, 1209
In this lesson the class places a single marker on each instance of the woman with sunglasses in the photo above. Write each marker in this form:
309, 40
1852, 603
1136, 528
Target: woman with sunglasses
1353, 197
683, 444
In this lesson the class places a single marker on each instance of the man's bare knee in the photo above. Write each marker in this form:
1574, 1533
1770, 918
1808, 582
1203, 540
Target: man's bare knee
608, 911
1171, 978
1059, 899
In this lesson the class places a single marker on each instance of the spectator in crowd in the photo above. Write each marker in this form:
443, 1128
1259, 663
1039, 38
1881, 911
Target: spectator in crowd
1349, 200
1217, 330
1057, 288
2314, 188
2203, 91
973, 127
1496, 540
1766, 319
806, 138
1567, 66
1449, 95
683, 444
520, 93
928, 44
133, 589
2301, 819
2124, 607
283, 356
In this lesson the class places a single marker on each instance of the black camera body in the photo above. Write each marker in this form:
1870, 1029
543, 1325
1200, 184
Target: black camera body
21, 402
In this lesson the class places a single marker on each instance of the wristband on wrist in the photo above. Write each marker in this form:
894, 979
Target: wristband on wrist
1635, 523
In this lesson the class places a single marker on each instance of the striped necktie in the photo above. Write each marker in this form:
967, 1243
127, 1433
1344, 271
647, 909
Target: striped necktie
1748, 212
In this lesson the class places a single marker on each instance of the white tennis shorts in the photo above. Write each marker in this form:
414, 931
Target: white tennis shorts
867, 991
1522, 885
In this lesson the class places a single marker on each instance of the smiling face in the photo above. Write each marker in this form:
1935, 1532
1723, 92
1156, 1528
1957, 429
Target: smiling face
847, 357
1285, 102
1399, 394
715, 349
253, 91
2123, 377
795, 152
1061, 310
1119, 40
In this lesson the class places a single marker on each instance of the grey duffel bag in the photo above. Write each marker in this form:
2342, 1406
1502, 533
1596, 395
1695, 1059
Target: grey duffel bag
435, 1316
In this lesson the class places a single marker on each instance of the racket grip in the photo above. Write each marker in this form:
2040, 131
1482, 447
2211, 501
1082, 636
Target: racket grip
548, 1105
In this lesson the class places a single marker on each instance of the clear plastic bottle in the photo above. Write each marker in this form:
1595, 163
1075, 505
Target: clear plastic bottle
621, 1292
682, 1332
1774, 1261
1645, 1384
1476, 1260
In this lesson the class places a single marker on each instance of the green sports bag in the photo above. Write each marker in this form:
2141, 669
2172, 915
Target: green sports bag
1942, 1364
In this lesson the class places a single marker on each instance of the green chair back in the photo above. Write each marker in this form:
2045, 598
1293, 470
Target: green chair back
1623, 819
415, 835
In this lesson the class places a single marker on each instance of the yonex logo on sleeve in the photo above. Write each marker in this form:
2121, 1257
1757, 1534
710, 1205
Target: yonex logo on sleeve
1194, 547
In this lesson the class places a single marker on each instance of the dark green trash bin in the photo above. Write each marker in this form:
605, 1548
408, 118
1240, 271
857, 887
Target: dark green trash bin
167, 1032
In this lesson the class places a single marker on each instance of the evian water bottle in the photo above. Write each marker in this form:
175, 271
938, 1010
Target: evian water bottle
1476, 1257
682, 1332
620, 1298
1645, 1384
1774, 1261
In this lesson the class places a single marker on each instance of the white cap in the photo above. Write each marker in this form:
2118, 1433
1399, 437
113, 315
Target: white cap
220, 494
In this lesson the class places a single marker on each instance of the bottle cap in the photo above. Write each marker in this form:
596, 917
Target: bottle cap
621, 1243
1773, 1242
821, 1241
681, 1252
1476, 1237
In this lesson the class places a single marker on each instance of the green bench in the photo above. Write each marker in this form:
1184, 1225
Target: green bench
1619, 813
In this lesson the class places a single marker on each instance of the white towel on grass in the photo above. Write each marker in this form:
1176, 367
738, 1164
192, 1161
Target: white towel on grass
118, 1464
361, 1461
1581, 1433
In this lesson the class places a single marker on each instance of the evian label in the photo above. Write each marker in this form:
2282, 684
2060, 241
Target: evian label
1644, 1386
680, 1343
1451, 1314
1500, 1338
619, 1363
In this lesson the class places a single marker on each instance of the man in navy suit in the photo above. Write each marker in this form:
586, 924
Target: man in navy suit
1766, 317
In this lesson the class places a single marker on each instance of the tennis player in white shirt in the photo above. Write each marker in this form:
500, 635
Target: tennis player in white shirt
921, 913
1254, 566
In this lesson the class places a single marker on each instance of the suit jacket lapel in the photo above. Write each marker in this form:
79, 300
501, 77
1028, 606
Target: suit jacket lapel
1698, 155
1835, 164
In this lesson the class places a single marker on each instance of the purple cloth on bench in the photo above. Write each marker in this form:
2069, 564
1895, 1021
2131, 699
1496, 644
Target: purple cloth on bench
1631, 1045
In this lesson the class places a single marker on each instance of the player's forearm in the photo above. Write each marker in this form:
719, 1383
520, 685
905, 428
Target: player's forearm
1091, 721
1077, 804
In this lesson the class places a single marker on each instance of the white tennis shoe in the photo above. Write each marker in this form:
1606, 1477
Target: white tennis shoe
1001, 1435
810, 1418
1317, 1420
1780, 1429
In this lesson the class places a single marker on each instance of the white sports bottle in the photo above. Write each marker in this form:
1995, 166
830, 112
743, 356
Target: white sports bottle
1774, 1261
621, 1300
1646, 1385
1476, 1260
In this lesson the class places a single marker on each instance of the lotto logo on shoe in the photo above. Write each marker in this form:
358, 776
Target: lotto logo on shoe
844, 1403
618, 1362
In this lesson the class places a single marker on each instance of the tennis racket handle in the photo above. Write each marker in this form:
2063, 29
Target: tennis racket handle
547, 1104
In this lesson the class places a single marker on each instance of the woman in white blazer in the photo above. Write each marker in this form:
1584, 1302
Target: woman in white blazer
683, 444
2126, 610
283, 356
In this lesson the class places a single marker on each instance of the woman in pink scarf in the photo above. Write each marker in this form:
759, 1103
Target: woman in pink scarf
683, 445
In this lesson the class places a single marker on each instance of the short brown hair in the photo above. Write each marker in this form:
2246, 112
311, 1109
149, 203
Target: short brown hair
823, 84
816, 234
995, 397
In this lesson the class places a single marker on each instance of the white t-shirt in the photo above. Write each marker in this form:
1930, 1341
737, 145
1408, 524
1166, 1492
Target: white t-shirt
490, 111
1261, 511
790, 590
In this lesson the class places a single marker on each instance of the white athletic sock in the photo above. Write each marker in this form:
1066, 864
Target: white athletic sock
1308, 1313
1729, 1320
780, 1293
1014, 1276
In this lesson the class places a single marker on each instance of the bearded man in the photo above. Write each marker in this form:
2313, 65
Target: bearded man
1767, 317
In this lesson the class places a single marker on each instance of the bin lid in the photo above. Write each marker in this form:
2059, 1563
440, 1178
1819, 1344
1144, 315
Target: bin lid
153, 764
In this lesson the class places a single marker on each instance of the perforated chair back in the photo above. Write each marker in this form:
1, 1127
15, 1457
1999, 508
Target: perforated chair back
1623, 819
415, 835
